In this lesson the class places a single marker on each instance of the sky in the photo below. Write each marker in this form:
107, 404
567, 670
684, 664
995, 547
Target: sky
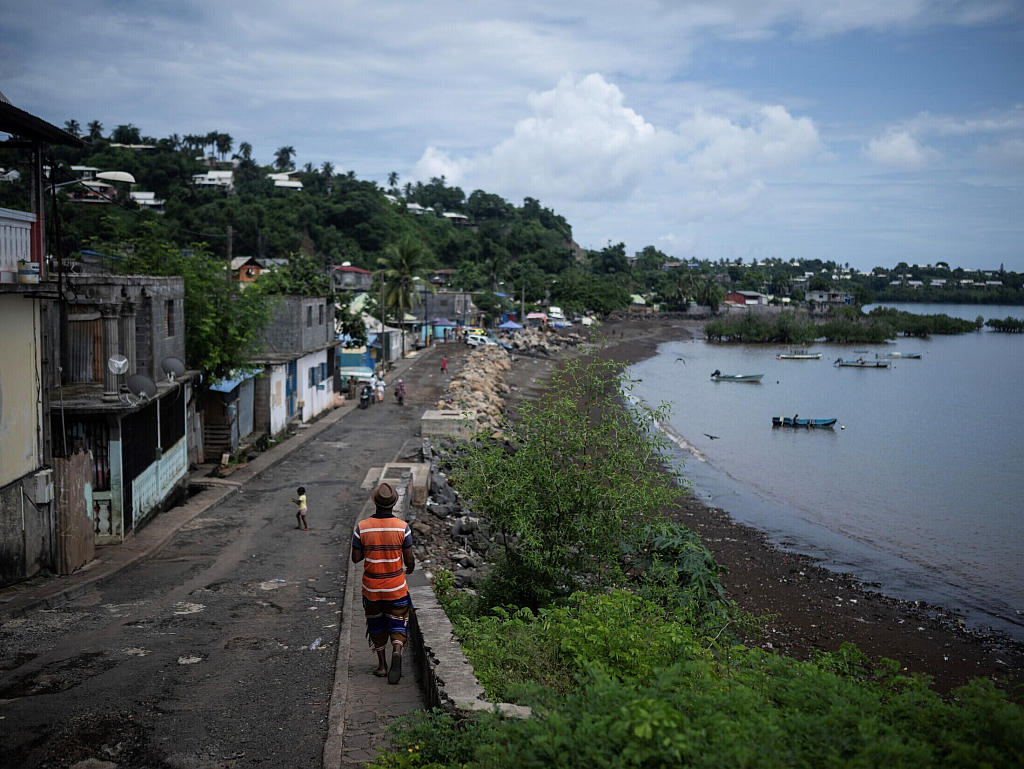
869, 132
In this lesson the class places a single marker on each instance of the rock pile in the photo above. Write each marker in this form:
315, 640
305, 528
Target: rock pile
480, 386
541, 340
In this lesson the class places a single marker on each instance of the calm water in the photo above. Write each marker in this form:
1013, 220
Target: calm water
921, 492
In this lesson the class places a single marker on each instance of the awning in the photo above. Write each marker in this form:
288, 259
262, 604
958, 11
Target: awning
509, 325
359, 372
441, 322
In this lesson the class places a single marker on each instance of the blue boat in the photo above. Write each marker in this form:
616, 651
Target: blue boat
801, 422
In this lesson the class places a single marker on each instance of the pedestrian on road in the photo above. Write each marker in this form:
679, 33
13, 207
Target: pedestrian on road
384, 543
380, 389
300, 514
444, 364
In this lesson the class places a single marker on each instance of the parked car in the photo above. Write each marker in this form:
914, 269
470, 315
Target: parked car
475, 340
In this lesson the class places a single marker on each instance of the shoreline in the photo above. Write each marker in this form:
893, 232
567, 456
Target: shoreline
808, 607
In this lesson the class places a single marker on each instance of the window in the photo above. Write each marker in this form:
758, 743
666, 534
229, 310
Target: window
321, 321
312, 376
309, 316
169, 317
323, 371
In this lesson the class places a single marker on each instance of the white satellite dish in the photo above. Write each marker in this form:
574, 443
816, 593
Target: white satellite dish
173, 367
118, 364
141, 386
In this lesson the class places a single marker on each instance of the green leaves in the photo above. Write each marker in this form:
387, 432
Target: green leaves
578, 470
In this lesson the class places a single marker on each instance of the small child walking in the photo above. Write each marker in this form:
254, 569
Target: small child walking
300, 514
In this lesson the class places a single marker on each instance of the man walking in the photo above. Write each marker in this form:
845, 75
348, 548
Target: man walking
384, 542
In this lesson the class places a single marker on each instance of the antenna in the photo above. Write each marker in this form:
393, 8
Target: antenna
141, 386
118, 364
173, 367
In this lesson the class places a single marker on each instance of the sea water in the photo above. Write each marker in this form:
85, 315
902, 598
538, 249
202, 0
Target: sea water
919, 488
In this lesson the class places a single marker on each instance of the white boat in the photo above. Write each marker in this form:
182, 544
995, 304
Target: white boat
798, 355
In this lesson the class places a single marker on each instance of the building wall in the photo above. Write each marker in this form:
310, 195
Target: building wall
317, 397
278, 407
20, 382
287, 331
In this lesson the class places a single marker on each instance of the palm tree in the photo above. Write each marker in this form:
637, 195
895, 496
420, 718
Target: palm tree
95, 130
72, 127
244, 152
327, 169
224, 143
283, 158
393, 180
402, 263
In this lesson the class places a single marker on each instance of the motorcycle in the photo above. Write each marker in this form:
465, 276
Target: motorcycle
400, 393
365, 396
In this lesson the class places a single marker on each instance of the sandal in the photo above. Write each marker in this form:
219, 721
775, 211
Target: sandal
395, 672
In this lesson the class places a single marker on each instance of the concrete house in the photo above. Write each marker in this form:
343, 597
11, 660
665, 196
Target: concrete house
297, 363
121, 393
29, 495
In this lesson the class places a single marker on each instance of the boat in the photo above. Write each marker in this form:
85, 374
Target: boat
718, 376
862, 363
898, 356
798, 355
801, 422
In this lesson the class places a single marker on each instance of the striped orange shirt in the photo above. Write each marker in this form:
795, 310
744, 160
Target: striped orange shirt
382, 541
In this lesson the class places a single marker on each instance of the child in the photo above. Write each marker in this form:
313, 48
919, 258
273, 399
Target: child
300, 515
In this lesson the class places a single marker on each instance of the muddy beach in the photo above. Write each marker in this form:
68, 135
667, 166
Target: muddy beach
806, 608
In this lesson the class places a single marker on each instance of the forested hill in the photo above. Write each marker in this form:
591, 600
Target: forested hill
498, 247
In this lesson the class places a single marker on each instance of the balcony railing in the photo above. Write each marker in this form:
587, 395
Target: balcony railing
15, 242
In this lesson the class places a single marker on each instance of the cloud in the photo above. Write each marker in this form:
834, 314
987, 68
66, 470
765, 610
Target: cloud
580, 142
1004, 155
898, 149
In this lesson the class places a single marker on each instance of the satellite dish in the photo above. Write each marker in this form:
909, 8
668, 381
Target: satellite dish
141, 386
173, 367
118, 364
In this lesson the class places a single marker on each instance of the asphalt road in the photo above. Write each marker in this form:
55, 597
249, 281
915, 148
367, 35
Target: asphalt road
219, 649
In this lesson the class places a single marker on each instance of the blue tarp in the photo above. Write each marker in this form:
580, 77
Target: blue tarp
509, 324
227, 385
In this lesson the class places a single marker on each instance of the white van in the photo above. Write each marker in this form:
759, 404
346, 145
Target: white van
474, 340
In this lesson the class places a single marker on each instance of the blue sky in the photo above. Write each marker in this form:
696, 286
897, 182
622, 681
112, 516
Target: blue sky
865, 131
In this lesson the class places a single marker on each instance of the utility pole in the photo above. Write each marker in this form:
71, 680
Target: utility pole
229, 239
382, 322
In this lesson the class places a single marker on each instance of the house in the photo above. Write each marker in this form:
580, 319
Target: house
228, 408
296, 364
246, 269
456, 306
33, 502
121, 393
345, 277
222, 179
819, 296
745, 298
442, 277
147, 200
284, 180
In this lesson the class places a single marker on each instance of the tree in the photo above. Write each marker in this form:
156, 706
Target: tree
244, 152
95, 130
283, 158
327, 169
72, 127
565, 483
393, 180
126, 134
223, 325
224, 143
400, 267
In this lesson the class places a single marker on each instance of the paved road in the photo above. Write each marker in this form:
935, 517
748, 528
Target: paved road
219, 649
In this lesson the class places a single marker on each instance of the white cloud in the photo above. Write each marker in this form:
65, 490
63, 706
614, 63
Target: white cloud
580, 142
898, 149
1008, 154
